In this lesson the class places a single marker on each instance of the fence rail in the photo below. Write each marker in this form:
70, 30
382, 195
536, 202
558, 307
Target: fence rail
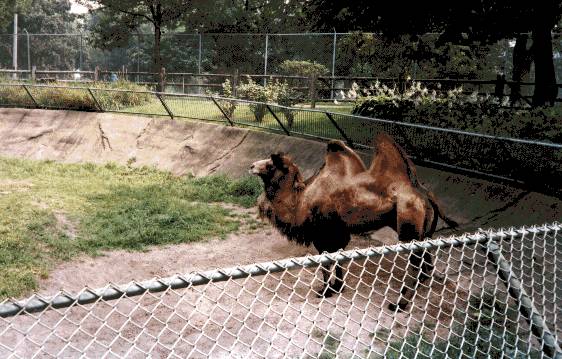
494, 293
534, 164
324, 88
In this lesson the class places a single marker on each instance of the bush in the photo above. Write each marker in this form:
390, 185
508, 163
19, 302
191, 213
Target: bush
76, 97
228, 106
274, 92
453, 109
303, 68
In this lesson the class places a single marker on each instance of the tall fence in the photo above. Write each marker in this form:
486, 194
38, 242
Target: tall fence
533, 164
342, 54
492, 294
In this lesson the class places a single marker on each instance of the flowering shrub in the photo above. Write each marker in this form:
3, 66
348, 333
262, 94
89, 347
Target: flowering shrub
275, 92
455, 109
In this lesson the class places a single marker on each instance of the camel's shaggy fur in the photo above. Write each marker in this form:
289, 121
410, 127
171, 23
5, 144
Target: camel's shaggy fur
346, 197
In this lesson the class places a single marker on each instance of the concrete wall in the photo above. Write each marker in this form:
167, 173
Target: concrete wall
198, 148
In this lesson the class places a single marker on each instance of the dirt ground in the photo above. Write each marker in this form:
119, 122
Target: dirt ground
278, 315
248, 246
273, 316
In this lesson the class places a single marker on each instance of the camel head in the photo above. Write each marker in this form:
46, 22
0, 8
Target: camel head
278, 172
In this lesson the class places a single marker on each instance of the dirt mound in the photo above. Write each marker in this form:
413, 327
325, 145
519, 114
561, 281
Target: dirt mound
184, 147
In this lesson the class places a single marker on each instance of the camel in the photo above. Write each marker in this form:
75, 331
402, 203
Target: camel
345, 197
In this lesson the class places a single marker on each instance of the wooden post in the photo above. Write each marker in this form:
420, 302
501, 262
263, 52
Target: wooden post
500, 84
162, 83
33, 73
312, 90
96, 73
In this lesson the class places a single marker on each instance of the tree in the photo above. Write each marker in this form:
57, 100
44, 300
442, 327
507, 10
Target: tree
117, 19
251, 16
468, 22
10, 7
47, 52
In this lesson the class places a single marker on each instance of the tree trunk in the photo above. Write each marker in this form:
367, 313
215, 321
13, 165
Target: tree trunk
545, 77
521, 66
157, 59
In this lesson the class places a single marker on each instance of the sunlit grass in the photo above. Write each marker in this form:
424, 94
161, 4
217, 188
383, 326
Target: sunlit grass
50, 212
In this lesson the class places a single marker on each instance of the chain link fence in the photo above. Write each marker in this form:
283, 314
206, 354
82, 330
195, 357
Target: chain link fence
492, 294
342, 54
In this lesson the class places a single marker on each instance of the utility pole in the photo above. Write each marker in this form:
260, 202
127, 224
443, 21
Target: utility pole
15, 48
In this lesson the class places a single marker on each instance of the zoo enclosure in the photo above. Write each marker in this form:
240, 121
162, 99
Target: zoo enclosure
533, 164
492, 294
195, 61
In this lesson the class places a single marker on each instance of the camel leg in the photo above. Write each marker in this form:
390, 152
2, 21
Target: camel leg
341, 241
410, 227
326, 290
338, 282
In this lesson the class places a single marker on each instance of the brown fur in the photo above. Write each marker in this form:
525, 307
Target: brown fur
346, 197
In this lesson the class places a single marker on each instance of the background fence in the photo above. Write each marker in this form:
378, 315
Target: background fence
492, 294
531, 163
348, 57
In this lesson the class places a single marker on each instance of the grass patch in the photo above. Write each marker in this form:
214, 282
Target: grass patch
50, 212
330, 343
64, 96
488, 328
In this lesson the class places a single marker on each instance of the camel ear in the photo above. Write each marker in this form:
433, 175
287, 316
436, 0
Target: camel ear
277, 159
298, 184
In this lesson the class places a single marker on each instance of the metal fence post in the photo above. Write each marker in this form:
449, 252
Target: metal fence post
98, 105
31, 96
525, 303
312, 93
165, 105
335, 124
81, 46
199, 58
265, 59
223, 112
333, 65
278, 121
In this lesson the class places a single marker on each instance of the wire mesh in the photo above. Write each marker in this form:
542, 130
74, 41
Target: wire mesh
516, 160
12, 95
274, 310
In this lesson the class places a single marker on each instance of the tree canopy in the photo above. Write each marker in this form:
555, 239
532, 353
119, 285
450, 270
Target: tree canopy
10, 7
466, 22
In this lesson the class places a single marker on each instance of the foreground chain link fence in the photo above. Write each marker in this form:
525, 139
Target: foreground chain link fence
492, 294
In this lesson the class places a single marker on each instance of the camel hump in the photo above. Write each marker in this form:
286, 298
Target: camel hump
384, 137
336, 146
393, 156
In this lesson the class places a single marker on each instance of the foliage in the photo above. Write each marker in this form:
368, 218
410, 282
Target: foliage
9, 7
104, 207
273, 92
303, 68
227, 106
471, 24
487, 328
49, 52
64, 97
454, 109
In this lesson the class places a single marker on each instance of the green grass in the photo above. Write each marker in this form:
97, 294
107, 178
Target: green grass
51, 212
330, 343
488, 328
307, 123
